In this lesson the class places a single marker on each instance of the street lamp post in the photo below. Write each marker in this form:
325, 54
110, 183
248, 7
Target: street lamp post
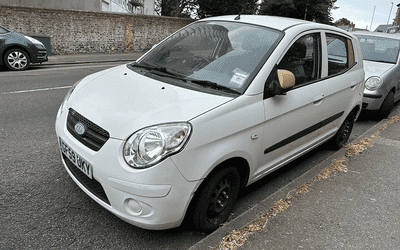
370, 27
390, 13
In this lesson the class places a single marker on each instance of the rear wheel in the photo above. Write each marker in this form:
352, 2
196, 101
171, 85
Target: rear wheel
16, 59
216, 199
386, 106
342, 135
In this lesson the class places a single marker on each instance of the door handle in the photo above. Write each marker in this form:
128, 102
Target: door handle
353, 84
318, 98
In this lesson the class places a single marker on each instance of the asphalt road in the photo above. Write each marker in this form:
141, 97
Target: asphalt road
42, 208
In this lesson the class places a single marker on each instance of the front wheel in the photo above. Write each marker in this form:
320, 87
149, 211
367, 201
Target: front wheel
343, 134
216, 199
16, 59
386, 106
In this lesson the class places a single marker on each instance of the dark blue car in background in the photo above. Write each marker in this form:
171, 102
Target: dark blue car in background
18, 51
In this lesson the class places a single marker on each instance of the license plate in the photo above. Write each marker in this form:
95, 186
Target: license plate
76, 159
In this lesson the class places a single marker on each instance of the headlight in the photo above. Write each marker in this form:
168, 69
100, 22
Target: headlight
34, 41
151, 145
373, 83
66, 98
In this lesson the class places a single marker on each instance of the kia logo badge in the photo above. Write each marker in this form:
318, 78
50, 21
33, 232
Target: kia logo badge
80, 128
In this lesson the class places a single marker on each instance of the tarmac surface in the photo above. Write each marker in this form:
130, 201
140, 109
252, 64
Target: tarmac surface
349, 201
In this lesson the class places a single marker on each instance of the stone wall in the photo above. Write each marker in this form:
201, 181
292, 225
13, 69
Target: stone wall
90, 32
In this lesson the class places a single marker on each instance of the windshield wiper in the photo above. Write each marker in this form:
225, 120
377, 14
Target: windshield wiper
159, 70
162, 71
214, 85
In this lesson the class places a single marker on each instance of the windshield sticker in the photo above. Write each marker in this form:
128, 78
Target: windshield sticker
238, 78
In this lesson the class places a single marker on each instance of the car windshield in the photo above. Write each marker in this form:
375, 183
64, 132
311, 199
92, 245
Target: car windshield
379, 49
223, 54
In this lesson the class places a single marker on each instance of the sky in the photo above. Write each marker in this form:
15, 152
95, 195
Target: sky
361, 12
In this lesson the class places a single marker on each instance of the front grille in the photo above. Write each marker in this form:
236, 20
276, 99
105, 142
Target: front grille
94, 138
90, 184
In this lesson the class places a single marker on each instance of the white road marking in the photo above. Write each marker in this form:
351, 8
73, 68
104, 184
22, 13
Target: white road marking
35, 71
35, 90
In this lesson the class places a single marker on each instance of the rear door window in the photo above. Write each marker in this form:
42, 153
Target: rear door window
340, 54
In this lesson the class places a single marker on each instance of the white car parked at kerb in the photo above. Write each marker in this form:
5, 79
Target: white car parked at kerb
214, 107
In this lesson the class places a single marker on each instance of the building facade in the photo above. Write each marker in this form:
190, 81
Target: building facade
145, 7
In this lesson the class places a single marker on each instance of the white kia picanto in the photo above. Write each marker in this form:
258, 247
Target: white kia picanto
214, 107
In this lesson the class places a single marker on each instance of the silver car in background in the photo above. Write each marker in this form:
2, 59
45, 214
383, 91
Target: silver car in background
382, 71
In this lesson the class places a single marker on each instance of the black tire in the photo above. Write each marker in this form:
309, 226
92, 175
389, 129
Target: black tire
386, 107
342, 135
216, 199
16, 59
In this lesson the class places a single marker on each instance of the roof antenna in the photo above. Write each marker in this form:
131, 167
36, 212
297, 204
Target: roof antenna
238, 17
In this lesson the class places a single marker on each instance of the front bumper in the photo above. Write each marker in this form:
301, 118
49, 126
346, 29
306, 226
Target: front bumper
39, 55
154, 198
372, 100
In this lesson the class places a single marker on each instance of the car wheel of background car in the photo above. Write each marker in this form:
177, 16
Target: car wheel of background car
343, 134
16, 59
216, 199
386, 106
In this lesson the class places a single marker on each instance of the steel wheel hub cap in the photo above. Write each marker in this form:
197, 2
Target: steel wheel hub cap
220, 198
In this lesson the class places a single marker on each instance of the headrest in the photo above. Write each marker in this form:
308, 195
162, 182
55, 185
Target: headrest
298, 49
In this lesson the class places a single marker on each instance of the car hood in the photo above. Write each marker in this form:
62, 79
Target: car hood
122, 101
376, 68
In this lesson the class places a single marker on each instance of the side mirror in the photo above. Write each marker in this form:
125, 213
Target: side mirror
285, 81
286, 78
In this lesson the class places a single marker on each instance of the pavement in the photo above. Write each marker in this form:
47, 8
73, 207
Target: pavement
348, 201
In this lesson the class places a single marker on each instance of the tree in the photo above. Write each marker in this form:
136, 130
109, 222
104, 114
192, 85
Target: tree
344, 22
209, 8
312, 10
205, 8
176, 8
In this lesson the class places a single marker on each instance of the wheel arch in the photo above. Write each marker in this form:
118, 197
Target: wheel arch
14, 46
356, 110
239, 163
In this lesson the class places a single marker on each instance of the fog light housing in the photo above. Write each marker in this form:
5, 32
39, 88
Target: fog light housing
133, 206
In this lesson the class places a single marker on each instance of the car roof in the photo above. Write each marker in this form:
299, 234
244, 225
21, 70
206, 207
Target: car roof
377, 34
275, 22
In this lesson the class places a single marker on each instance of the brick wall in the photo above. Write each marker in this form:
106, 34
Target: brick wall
90, 32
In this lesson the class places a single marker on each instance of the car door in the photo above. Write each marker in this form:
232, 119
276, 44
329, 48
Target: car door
341, 78
311, 111
292, 121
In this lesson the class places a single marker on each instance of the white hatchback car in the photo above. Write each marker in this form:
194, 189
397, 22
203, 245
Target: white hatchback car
214, 107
